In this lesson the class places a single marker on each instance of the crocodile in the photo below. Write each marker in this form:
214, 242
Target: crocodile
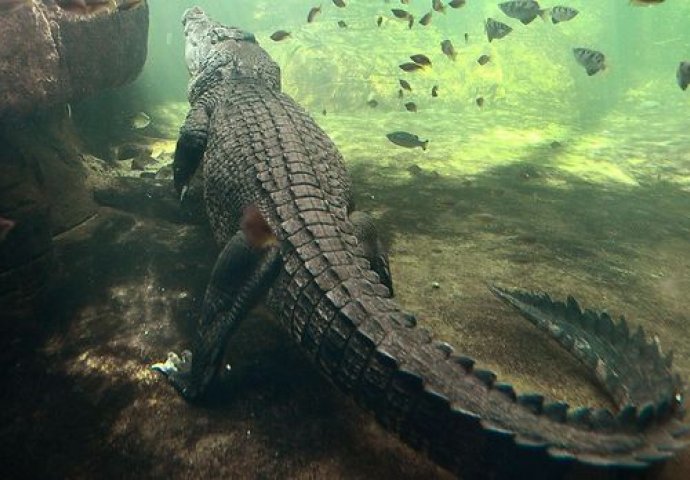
278, 199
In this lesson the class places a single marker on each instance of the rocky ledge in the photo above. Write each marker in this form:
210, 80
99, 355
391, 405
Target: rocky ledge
53, 53
59, 51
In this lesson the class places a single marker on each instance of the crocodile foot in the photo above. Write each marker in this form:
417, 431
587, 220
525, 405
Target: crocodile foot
178, 370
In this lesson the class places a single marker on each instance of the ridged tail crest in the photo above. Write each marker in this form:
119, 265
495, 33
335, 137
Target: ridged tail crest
626, 364
467, 420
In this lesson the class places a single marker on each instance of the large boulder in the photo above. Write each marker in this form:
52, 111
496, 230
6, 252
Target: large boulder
53, 53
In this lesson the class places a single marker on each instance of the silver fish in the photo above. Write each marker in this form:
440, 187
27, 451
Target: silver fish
563, 14
524, 10
592, 60
495, 29
683, 75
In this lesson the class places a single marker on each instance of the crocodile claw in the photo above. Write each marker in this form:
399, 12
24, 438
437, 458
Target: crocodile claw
174, 363
183, 195
178, 369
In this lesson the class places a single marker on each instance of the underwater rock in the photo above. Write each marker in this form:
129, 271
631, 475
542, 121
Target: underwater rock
131, 150
53, 54
143, 161
152, 199
50, 54
26, 251
164, 173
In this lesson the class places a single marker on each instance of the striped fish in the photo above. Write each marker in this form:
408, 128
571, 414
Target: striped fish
495, 29
524, 10
592, 60
563, 14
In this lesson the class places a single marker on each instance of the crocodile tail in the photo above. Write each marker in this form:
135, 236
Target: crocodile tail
468, 421
632, 370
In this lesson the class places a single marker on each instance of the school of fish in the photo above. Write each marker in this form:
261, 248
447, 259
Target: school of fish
525, 11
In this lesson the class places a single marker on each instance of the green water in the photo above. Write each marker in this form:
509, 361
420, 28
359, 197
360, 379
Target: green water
624, 125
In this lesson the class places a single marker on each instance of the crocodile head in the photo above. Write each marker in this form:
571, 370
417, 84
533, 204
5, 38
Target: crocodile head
210, 46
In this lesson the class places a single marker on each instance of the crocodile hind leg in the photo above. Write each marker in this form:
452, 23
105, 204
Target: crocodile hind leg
368, 237
243, 272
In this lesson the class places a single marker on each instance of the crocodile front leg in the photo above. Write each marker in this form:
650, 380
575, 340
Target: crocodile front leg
190, 147
244, 271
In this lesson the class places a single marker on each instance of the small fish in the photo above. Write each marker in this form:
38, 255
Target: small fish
400, 93
405, 2
479, 101
438, 6
434, 91
457, 3
467, 37
524, 10
339, 3
562, 14
407, 140
426, 19
405, 85
411, 107
448, 49
313, 13
683, 75
372, 103
410, 22
342, 24
6, 226
646, 2
279, 35
592, 60
379, 21
139, 120
420, 59
324, 112
483, 60
495, 29
410, 67
398, 13
8, 6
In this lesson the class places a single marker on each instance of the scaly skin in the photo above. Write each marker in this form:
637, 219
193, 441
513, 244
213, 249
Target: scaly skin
261, 150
